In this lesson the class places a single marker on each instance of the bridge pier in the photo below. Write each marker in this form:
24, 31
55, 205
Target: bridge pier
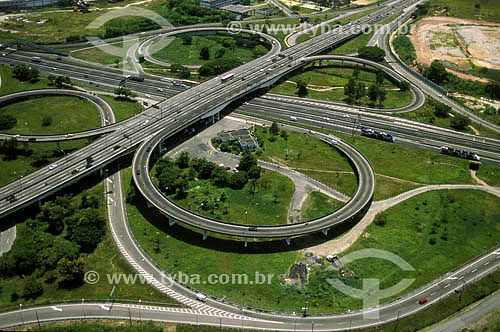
246, 243
205, 235
26, 146
58, 146
325, 231
149, 205
288, 240
171, 221
39, 203
101, 171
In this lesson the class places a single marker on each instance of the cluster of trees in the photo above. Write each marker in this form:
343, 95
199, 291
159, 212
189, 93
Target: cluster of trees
59, 81
25, 73
8, 147
219, 66
7, 121
373, 53
437, 73
51, 244
302, 89
405, 49
174, 175
186, 12
126, 93
355, 90
183, 71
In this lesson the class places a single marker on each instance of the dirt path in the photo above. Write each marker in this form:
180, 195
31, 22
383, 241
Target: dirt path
342, 243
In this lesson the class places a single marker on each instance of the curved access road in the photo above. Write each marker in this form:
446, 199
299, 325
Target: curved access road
144, 47
354, 208
418, 97
104, 108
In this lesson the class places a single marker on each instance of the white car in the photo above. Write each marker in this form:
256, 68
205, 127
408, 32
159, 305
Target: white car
51, 167
145, 123
160, 89
326, 119
345, 115
17, 136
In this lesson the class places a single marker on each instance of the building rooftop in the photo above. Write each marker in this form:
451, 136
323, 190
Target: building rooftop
240, 9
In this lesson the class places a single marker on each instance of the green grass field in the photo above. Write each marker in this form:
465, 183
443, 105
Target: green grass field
462, 223
262, 210
311, 157
318, 205
104, 260
11, 85
69, 114
488, 10
327, 83
387, 187
123, 108
176, 52
489, 174
353, 45
105, 56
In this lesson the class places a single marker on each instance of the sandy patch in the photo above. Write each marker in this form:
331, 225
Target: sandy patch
457, 41
364, 2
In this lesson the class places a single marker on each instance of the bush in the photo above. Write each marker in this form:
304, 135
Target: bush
32, 289
7, 121
373, 53
47, 121
381, 220
460, 122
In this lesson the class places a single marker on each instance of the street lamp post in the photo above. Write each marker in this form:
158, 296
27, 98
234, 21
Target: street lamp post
21, 312
246, 217
140, 319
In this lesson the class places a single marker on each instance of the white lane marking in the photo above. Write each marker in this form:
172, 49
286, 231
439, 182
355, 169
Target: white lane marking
56, 308
105, 307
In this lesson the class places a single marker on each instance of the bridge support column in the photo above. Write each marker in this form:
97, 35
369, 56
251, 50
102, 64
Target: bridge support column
287, 240
325, 231
320, 62
26, 146
246, 243
149, 205
101, 171
205, 235
58, 146
171, 221
217, 116
39, 203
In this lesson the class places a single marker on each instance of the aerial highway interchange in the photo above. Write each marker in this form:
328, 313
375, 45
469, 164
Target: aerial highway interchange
144, 133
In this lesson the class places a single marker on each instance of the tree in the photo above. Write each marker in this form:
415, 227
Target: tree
132, 193
185, 74
70, 272
24, 73
350, 89
53, 215
206, 170
404, 86
89, 201
183, 160
373, 53
382, 95
238, 180
355, 73
187, 39
9, 148
436, 72
373, 92
32, 289
254, 172
60, 81
120, 91
360, 90
380, 78
7, 121
86, 227
274, 129
492, 88
460, 122
247, 161
301, 89
205, 53
46, 121
181, 185
284, 135
219, 177
220, 52
441, 110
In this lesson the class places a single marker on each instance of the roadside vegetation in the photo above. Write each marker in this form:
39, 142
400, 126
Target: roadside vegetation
404, 49
123, 108
347, 83
251, 195
318, 205
55, 248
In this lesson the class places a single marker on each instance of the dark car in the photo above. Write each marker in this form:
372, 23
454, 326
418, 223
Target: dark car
116, 147
252, 228
138, 172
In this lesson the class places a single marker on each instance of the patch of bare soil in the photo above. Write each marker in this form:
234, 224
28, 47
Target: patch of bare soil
457, 41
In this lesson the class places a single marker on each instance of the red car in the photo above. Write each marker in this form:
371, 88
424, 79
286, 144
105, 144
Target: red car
423, 300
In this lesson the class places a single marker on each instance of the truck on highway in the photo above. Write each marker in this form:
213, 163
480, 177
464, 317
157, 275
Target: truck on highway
460, 153
382, 135
293, 118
